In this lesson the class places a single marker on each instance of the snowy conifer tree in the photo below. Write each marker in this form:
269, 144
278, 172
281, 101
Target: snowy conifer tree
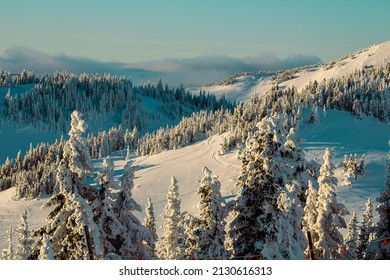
314, 118
134, 243
209, 229
72, 213
103, 209
194, 237
310, 214
121, 232
46, 252
24, 239
378, 248
366, 230
329, 211
298, 118
150, 224
258, 226
128, 153
168, 246
351, 239
8, 254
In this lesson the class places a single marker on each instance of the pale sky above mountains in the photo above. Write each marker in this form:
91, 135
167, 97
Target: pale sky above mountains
182, 38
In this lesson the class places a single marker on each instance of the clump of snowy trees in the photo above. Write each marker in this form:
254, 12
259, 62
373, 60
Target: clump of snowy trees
352, 166
34, 174
323, 214
48, 105
281, 197
8, 79
88, 222
24, 241
278, 202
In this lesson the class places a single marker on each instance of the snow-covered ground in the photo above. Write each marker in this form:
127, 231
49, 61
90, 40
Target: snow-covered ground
154, 173
345, 135
152, 181
246, 85
235, 88
339, 131
11, 210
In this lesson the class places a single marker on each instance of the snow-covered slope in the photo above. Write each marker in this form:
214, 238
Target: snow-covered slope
152, 181
339, 131
246, 84
345, 135
236, 87
154, 173
11, 210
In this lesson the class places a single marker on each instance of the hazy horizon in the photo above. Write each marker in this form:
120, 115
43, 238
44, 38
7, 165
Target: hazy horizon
190, 42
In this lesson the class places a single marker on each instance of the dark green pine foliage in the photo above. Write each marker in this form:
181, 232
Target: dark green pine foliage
254, 225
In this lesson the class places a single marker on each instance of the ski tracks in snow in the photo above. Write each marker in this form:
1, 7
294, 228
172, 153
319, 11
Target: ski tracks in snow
217, 158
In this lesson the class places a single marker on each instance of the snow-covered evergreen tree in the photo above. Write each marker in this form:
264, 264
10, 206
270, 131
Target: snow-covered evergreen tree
46, 252
168, 246
366, 230
194, 237
259, 226
379, 248
311, 214
298, 118
351, 239
150, 224
72, 213
207, 233
330, 213
128, 155
24, 239
314, 118
104, 215
121, 233
9, 253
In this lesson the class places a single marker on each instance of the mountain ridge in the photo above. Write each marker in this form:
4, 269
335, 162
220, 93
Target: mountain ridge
243, 86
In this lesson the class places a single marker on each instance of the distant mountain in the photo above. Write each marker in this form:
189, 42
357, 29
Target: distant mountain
242, 86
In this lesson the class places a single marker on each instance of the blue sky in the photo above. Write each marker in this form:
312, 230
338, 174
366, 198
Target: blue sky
135, 32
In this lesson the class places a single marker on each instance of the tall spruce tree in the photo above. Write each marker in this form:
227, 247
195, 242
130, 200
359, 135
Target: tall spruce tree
168, 247
330, 213
24, 239
351, 239
208, 231
259, 227
9, 254
150, 224
46, 252
310, 215
71, 219
366, 230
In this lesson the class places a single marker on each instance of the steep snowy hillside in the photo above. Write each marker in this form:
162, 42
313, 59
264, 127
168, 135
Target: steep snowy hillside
338, 130
152, 181
247, 84
345, 135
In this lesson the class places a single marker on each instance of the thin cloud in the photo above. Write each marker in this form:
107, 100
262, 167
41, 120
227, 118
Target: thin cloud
192, 71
